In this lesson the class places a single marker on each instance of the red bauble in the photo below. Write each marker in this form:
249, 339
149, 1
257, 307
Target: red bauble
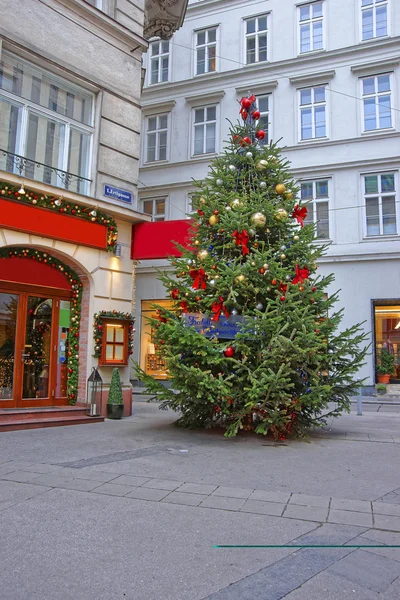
229, 352
256, 115
246, 103
244, 114
273, 282
175, 294
260, 135
282, 298
200, 212
314, 289
246, 141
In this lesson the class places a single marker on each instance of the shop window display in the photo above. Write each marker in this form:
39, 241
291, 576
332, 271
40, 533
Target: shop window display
387, 334
151, 360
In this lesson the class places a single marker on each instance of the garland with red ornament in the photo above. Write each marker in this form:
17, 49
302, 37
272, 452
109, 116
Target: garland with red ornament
75, 310
252, 340
63, 206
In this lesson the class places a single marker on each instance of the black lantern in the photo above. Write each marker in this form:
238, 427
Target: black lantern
94, 394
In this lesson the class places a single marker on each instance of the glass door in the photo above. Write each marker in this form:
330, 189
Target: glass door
9, 304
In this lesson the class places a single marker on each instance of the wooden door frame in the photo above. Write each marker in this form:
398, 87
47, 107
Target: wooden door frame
24, 291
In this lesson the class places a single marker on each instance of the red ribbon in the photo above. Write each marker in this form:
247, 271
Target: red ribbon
199, 278
242, 238
219, 307
301, 275
283, 287
184, 306
299, 214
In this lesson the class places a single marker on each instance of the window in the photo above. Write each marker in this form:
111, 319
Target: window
156, 138
206, 51
114, 343
313, 113
256, 39
380, 204
374, 18
263, 103
205, 125
316, 194
45, 124
159, 62
311, 27
155, 207
376, 92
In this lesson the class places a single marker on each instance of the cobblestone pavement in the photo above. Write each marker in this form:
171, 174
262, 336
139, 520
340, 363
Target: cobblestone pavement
135, 509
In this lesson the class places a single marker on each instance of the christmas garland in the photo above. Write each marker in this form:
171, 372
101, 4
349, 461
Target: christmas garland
98, 328
76, 301
65, 207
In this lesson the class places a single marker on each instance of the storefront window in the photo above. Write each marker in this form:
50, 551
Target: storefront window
387, 334
150, 359
62, 355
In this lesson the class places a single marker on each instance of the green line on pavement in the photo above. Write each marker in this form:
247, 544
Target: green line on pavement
304, 546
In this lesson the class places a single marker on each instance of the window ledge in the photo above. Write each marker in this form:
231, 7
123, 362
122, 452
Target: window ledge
374, 132
258, 88
150, 163
158, 107
311, 52
313, 142
374, 39
381, 238
203, 156
205, 98
370, 68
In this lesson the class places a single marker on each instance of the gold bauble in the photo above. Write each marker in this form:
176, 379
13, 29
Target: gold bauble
262, 164
258, 219
235, 202
202, 201
281, 214
288, 195
240, 278
280, 188
202, 254
283, 256
296, 238
213, 220
196, 243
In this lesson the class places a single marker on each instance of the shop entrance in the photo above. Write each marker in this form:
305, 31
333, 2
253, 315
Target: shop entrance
34, 324
387, 333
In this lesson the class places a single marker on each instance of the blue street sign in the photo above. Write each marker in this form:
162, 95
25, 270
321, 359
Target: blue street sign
118, 194
224, 329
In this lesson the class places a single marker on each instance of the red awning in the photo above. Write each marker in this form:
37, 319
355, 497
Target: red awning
156, 240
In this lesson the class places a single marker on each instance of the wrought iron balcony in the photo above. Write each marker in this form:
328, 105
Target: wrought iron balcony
32, 169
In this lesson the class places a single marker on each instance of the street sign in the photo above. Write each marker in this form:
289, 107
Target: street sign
118, 194
224, 329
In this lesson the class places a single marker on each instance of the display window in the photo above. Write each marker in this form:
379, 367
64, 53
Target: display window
150, 359
387, 333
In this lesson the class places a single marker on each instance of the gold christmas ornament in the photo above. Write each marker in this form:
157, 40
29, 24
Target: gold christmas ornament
213, 220
296, 238
202, 254
258, 219
280, 188
240, 278
281, 214
202, 200
196, 243
262, 164
288, 195
283, 256
236, 202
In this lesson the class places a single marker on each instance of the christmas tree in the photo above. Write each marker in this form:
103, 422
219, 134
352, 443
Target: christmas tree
251, 270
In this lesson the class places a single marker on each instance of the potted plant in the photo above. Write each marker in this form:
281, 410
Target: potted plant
380, 389
115, 402
385, 367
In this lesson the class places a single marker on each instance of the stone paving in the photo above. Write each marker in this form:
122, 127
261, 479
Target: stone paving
134, 511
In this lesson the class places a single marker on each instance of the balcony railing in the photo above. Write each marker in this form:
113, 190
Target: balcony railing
32, 169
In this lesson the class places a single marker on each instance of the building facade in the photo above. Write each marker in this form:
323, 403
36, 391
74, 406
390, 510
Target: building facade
326, 75
70, 118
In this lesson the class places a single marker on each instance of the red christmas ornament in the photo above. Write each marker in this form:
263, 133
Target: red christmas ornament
244, 114
273, 282
200, 213
282, 298
175, 294
216, 212
246, 141
256, 115
314, 289
246, 103
260, 135
229, 352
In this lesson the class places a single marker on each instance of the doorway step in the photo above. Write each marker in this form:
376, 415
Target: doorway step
49, 416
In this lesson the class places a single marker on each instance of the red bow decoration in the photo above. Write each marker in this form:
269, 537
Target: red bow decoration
184, 306
199, 278
299, 214
219, 307
242, 238
283, 287
301, 275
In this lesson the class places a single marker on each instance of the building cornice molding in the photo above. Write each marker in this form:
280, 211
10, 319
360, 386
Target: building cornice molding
257, 88
374, 67
163, 17
312, 78
156, 108
208, 7
205, 98
245, 75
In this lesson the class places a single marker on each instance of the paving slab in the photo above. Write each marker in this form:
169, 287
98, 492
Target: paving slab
308, 513
353, 505
347, 517
141, 493
223, 503
328, 586
184, 498
163, 484
306, 500
51, 479
131, 480
41, 468
113, 489
387, 522
368, 570
231, 492
382, 508
84, 485
263, 508
12, 492
20, 476
392, 553
272, 496
197, 488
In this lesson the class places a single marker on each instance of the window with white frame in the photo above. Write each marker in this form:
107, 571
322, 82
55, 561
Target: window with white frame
206, 51
205, 130
264, 106
380, 203
316, 195
156, 138
313, 122
46, 126
376, 93
374, 18
159, 61
311, 27
155, 207
103, 5
256, 39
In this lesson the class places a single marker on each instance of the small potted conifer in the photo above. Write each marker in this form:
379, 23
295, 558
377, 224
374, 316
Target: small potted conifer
385, 367
115, 402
